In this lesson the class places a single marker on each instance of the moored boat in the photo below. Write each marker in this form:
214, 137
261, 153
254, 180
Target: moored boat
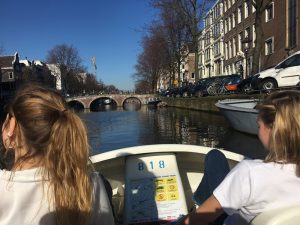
153, 101
240, 113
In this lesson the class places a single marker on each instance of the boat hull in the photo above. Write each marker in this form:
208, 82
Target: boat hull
153, 101
240, 114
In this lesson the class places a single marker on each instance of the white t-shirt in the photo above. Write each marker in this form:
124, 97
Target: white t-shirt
253, 186
23, 199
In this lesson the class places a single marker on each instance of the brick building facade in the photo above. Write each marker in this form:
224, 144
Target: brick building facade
281, 29
280, 34
239, 18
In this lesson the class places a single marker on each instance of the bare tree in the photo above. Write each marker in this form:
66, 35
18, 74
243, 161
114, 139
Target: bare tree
191, 14
70, 63
38, 74
175, 32
142, 87
91, 85
66, 55
111, 89
154, 59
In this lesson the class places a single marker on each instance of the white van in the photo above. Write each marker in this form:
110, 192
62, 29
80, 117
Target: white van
286, 73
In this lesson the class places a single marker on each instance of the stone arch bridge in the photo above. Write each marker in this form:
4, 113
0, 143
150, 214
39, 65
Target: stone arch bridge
119, 99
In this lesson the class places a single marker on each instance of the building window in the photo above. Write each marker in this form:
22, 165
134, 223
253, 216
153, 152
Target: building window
292, 23
216, 30
270, 12
225, 25
230, 50
253, 35
269, 46
207, 54
207, 21
234, 45
247, 37
11, 75
217, 11
226, 50
218, 67
240, 42
239, 14
246, 9
225, 6
253, 8
233, 20
193, 75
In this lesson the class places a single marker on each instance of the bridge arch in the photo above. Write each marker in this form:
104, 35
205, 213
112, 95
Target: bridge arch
132, 99
120, 99
102, 102
132, 103
76, 104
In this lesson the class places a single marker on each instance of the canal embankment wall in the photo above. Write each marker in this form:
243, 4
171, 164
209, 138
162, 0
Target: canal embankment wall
204, 104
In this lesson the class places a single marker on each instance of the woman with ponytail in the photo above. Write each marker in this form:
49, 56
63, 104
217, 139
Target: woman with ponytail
51, 180
255, 186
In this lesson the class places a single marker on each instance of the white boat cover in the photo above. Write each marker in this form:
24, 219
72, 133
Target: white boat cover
282, 216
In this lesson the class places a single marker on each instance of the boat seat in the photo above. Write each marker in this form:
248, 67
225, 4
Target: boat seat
281, 216
153, 189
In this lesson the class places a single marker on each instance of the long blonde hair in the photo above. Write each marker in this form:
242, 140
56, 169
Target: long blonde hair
46, 127
280, 112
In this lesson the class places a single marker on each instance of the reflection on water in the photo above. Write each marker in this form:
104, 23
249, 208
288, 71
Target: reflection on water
109, 130
131, 106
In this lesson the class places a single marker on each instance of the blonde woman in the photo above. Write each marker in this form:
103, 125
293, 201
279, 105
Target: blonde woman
254, 186
50, 181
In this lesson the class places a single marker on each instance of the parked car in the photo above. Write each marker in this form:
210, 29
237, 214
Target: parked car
223, 84
232, 82
170, 92
245, 85
164, 93
285, 73
200, 88
184, 90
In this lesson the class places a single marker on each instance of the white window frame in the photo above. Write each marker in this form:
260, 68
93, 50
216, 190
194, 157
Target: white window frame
239, 42
246, 12
253, 35
266, 46
11, 75
247, 35
267, 19
234, 45
253, 8
239, 15
230, 50
229, 23
226, 50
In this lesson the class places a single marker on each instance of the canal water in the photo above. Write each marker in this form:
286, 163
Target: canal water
118, 128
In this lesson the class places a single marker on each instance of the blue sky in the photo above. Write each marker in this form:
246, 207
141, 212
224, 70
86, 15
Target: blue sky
110, 30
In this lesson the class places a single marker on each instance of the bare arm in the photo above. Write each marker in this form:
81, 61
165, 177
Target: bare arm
205, 213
